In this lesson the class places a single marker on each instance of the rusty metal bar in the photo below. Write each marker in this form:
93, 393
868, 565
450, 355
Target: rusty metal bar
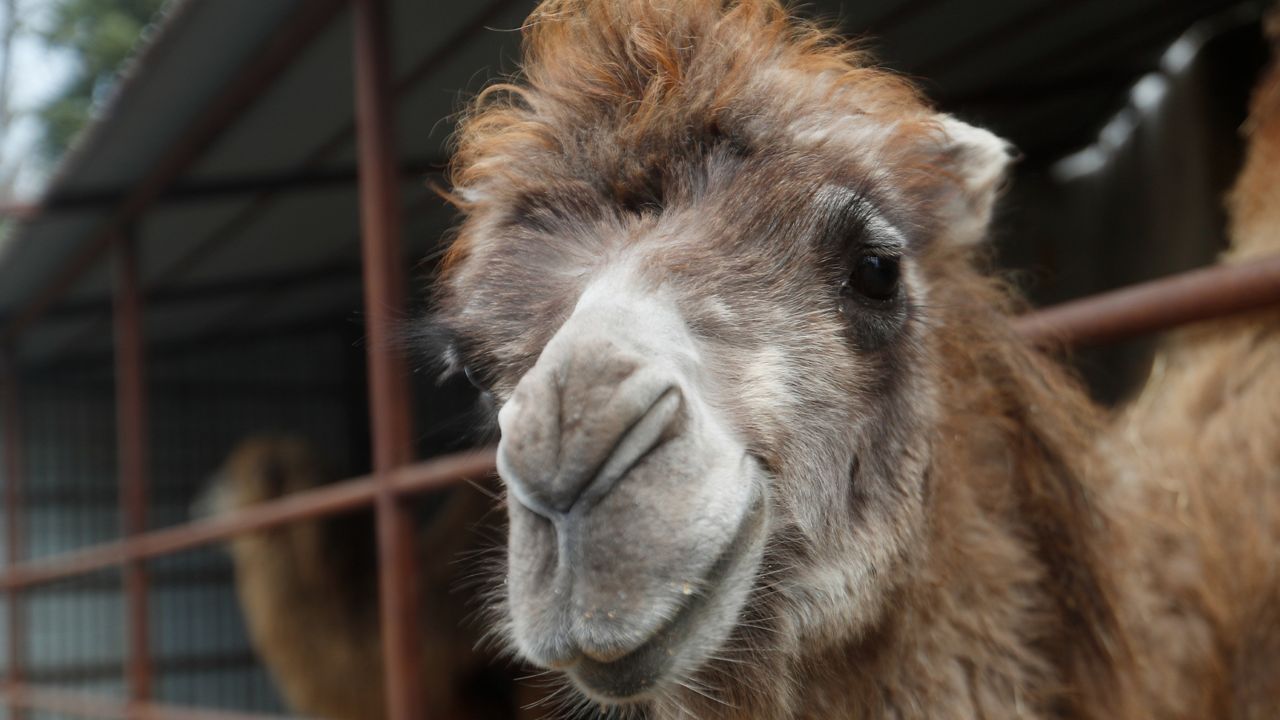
93, 705
296, 34
331, 499
390, 417
1212, 292
132, 441
14, 516
380, 225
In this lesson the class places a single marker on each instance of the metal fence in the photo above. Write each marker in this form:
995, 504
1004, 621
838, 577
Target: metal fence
115, 552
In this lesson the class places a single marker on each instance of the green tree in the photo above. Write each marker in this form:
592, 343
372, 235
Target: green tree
100, 35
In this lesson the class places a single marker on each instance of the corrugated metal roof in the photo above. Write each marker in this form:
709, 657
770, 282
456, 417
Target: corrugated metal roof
1046, 74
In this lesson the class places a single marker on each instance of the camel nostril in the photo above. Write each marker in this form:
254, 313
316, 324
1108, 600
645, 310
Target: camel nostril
558, 455
642, 437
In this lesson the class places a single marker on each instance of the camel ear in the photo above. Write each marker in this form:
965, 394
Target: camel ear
977, 164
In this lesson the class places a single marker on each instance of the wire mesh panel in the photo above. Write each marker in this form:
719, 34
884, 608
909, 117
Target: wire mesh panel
75, 636
202, 652
70, 458
71, 631
203, 401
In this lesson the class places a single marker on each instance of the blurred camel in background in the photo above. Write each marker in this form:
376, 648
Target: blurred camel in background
309, 593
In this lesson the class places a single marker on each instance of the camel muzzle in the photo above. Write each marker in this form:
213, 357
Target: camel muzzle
628, 494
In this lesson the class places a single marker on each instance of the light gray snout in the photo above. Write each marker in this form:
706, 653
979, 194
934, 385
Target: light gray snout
577, 422
625, 489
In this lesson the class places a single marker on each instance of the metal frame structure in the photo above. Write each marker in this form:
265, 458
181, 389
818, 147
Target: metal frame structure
131, 440
1199, 295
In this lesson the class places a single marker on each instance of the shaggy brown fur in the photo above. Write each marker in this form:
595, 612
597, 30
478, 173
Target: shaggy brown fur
309, 594
1018, 554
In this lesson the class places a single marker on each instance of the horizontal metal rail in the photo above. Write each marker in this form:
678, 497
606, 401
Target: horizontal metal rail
1214, 292
328, 500
96, 705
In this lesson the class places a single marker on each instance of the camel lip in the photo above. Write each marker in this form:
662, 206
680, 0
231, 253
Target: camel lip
630, 675
597, 660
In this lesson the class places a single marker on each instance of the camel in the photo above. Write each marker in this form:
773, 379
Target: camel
308, 591
770, 446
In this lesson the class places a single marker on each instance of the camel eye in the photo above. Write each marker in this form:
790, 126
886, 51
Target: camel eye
875, 276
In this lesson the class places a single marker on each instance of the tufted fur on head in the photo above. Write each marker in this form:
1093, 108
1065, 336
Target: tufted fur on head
878, 502
631, 95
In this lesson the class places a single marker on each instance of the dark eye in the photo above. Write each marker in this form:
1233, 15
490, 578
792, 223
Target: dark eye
875, 276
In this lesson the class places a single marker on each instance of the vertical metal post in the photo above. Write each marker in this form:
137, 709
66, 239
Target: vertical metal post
390, 416
14, 516
132, 443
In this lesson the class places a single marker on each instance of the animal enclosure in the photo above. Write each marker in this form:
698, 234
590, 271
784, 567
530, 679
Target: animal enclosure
243, 244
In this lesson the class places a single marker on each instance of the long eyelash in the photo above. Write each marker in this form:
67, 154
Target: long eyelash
843, 213
849, 212
881, 236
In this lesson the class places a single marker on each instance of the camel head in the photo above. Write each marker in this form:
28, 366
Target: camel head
695, 275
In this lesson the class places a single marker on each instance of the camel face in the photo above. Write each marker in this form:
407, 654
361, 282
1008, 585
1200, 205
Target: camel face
697, 293
716, 370
715, 374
